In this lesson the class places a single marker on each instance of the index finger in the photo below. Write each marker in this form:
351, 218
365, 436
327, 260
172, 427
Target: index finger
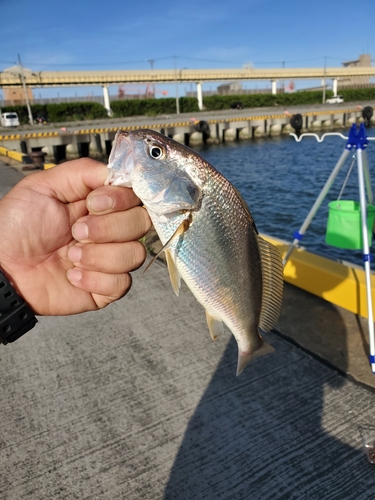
108, 199
70, 181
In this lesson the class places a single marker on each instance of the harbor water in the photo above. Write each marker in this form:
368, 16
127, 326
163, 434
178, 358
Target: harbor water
280, 179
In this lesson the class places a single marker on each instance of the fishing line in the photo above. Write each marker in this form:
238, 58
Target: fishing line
347, 176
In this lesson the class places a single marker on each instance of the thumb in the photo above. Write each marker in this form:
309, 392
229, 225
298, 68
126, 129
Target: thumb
70, 181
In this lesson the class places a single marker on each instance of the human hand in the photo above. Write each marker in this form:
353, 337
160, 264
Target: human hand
64, 251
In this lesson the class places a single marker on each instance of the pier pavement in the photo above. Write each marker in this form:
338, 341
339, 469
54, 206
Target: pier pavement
136, 401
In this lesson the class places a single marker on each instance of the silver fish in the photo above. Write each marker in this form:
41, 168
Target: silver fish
208, 234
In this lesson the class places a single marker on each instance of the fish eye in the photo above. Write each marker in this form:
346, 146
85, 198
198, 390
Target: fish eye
156, 152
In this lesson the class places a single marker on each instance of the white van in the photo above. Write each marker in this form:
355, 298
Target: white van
336, 99
9, 119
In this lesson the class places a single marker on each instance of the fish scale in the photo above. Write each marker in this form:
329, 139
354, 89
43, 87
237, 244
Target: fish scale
208, 234
216, 273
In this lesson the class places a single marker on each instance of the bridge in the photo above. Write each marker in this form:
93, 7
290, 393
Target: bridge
12, 77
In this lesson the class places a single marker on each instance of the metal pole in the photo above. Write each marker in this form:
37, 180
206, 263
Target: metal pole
25, 92
151, 61
175, 77
324, 82
366, 173
366, 256
298, 235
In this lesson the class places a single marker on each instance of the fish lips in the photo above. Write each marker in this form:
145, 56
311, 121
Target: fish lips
121, 162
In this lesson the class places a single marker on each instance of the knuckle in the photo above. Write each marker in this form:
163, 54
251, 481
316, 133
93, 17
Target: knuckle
123, 285
138, 254
146, 221
124, 198
99, 228
89, 257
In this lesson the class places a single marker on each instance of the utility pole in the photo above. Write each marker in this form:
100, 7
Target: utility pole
151, 61
175, 77
25, 91
324, 80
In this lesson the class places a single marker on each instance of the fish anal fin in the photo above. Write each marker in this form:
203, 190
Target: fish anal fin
272, 284
174, 275
215, 326
244, 358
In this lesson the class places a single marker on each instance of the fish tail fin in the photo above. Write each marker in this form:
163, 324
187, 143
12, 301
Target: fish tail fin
272, 284
244, 358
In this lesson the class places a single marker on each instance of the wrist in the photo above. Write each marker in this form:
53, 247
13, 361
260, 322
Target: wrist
16, 316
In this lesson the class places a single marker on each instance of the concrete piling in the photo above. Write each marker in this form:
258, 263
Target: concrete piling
62, 144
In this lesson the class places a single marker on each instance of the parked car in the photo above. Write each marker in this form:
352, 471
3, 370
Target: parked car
336, 99
9, 119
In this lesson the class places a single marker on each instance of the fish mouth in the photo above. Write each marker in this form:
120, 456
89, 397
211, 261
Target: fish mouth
121, 163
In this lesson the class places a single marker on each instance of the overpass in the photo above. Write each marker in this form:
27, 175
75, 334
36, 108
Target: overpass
12, 77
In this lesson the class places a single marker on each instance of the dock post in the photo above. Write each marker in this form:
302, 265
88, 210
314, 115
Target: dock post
107, 103
199, 96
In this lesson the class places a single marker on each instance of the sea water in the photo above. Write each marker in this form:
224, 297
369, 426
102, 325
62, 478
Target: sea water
280, 179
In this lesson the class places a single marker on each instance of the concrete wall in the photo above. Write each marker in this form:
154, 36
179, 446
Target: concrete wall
61, 145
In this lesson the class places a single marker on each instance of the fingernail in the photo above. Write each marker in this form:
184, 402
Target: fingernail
100, 203
80, 231
75, 253
74, 275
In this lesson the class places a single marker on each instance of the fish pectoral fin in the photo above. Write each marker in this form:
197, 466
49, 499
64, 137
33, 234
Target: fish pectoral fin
272, 284
244, 358
215, 326
174, 275
179, 232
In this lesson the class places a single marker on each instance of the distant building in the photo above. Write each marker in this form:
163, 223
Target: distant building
230, 88
16, 95
363, 60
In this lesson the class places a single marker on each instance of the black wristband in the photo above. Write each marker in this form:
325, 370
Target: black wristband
16, 317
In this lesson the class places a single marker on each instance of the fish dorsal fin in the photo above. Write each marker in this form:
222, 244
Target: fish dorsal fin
174, 275
272, 284
214, 325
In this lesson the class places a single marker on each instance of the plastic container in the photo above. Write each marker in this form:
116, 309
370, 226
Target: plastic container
344, 229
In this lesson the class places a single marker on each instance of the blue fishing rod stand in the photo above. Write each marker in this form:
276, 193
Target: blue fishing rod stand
357, 137
357, 140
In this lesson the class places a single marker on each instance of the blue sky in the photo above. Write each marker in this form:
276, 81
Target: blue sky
82, 34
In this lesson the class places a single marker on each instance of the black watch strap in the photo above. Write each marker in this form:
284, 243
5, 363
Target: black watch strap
16, 317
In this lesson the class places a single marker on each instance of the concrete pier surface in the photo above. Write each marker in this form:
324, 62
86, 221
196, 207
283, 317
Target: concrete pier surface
137, 402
